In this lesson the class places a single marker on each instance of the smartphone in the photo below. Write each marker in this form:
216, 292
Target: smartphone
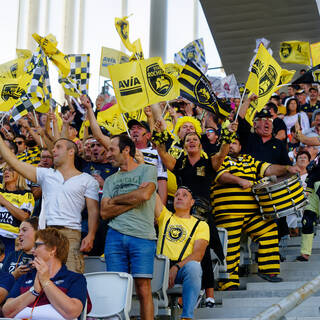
27, 262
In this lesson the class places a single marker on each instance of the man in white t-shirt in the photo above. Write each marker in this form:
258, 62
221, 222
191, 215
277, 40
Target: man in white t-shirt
65, 192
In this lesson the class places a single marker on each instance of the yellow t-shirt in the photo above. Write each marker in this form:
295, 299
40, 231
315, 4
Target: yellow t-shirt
178, 232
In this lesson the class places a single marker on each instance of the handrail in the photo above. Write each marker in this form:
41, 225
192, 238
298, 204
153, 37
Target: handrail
278, 310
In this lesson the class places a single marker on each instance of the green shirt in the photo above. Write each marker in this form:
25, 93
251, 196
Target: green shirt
137, 222
313, 199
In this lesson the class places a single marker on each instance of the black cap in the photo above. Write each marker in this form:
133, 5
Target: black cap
264, 113
142, 124
300, 91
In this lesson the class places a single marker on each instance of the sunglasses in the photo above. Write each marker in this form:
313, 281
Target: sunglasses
95, 144
19, 142
38, 244
210, 131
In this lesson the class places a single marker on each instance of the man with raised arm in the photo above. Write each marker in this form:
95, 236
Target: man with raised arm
65, 191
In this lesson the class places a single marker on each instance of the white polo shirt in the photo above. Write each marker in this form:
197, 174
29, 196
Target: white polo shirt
63, 201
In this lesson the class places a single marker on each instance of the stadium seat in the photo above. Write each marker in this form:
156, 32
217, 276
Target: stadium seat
110, 293
94, 264
220, 267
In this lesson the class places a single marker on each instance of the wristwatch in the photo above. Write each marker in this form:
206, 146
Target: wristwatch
34, 292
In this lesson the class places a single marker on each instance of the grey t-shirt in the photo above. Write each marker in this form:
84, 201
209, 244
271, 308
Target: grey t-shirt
137, 222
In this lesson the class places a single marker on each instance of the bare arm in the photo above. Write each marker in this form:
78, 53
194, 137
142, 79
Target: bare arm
93, 223
228, 178
163, 190
113, 207
281, 135
279, 170
245, 105
16, 212
168, 160
96, 131
14, 305
159, 206
25, 169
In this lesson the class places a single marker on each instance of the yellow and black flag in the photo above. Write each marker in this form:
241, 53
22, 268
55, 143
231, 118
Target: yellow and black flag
122, 26
311, 76
195, 87
295, 52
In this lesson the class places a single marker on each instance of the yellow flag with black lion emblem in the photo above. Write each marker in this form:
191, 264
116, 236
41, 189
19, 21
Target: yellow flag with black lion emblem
263, 80
295, 52
141, 83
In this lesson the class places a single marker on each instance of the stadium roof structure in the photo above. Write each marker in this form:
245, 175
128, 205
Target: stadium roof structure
235, 25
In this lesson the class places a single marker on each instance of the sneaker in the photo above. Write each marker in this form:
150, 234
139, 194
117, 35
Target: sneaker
270, 277
210, 303
302, 259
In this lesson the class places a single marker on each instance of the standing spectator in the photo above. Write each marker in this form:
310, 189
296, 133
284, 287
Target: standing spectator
209, 141
279, 127
20, 141
16, 205
65, 193
141, 136
303, 101
314, 103
129, 201
295, 115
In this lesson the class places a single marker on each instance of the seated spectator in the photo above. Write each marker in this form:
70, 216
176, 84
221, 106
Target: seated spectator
50, 291
295, 115
303, 100
314, 103
174, 231
18, 262
16, 205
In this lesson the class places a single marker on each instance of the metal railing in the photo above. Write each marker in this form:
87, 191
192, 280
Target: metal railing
278, 310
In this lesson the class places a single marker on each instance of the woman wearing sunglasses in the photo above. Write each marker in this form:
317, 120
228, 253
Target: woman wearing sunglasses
50, 291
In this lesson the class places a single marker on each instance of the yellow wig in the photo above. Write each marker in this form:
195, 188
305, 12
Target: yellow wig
185, 119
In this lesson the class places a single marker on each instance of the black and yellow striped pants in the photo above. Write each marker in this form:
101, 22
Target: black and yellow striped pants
264, 232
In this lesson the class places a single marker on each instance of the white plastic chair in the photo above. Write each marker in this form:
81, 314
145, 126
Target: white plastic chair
110, 293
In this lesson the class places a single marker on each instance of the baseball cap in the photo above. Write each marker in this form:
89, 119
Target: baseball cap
142, 124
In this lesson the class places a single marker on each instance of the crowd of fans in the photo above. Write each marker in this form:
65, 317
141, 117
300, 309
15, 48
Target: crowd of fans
69, 188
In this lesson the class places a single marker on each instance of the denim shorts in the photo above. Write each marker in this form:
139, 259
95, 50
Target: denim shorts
129, 254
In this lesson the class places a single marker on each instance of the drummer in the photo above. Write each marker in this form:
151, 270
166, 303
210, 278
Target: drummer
236, 210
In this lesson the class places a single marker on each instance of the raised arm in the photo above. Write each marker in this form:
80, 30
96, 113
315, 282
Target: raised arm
168, 160
96, 131
245, 105
25, 169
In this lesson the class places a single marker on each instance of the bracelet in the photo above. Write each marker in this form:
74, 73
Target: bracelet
176, 265
46, 284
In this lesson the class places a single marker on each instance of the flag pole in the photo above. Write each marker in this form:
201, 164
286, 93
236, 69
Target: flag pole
125, 124
237, 114
37, 124
165, 108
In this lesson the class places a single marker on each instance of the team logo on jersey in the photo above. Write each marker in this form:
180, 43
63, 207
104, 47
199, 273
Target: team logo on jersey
316, 75
159, 82
176, 233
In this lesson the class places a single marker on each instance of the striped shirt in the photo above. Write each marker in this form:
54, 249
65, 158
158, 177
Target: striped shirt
31, 155
231, 198
152, 157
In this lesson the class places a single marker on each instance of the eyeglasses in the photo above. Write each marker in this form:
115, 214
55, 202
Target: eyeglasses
19, 142
95, 144
38, 244
266, 119
210, 131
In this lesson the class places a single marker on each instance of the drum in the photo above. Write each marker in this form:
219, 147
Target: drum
280, 197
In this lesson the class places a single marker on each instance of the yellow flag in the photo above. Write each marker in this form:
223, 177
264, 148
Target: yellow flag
49, 46
141, 83
110, 57
112, 120
286, 76
263, 81
137, 51
15, 68
173, 68
295, 52
122, 26
315, 53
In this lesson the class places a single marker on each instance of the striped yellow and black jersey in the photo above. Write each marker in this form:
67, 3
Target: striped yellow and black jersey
22, 199
32, 156
231, 198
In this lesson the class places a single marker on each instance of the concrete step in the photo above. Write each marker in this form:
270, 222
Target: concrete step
237, 308
276, 286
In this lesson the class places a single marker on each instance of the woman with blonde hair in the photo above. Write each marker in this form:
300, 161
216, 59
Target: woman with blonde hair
16, 205
50, 291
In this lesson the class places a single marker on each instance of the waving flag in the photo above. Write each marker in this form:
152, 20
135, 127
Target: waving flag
295, 52
110, 57
122, 26
195, 87
311, 76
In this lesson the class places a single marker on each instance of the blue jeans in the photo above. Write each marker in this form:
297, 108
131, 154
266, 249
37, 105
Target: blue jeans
129, 254
190, 278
